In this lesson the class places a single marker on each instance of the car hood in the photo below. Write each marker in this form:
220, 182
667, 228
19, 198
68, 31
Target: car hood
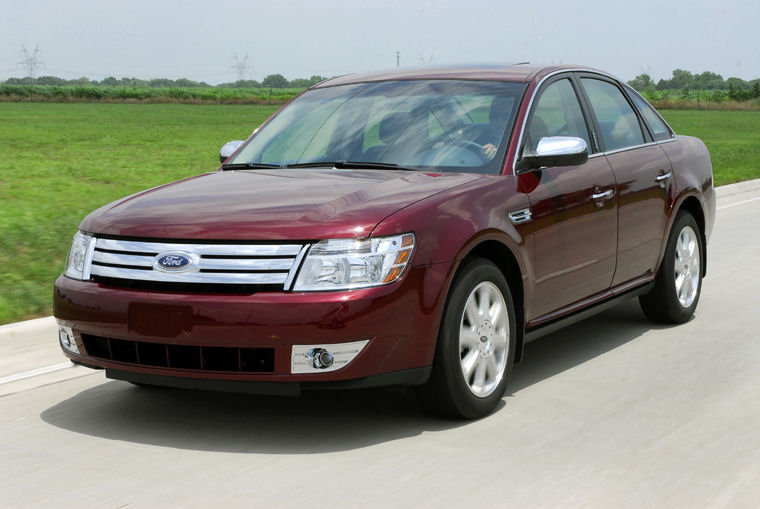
269, 204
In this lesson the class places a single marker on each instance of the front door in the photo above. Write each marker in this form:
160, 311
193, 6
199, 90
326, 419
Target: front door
574, 211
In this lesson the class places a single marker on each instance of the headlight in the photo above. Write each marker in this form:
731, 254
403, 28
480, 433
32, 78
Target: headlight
342, 264
76, 265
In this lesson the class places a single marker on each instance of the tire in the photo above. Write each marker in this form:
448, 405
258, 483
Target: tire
475, 349
679, 282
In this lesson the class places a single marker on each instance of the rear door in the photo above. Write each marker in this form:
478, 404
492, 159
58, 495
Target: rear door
643, 174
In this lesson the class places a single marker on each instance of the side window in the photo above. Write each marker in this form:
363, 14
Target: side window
659, 129
617, 121
557, 113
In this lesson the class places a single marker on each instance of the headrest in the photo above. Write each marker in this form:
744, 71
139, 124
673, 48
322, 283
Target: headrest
393, 125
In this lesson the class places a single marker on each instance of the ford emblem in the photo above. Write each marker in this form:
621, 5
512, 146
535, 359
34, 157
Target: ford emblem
175, 261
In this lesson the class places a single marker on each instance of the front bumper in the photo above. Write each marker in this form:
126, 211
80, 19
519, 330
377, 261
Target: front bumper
400, 322
413, 376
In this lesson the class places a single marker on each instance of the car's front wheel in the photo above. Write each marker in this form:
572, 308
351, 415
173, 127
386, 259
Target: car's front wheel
476, 344
679, 281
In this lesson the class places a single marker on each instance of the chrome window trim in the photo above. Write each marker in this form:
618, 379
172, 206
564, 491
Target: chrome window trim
533, 98
597, 154
633, 147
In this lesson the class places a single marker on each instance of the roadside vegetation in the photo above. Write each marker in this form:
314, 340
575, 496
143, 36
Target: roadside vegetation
63, 160
684, 90
92, 93
706, 90
274, 89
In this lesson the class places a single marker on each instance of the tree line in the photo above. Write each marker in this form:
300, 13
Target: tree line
680, 80
271, 81
736, 89
681, 86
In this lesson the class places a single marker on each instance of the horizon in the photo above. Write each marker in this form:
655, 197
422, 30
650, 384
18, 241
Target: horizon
299, 39
654, 79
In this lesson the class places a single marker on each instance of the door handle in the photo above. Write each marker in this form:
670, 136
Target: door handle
601, 196
663, 179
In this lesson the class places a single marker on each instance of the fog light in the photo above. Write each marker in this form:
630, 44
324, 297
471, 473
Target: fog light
66, 337
320, 358
323, 358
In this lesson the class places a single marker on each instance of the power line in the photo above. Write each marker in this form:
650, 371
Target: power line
30, 62
240, 66
428, 61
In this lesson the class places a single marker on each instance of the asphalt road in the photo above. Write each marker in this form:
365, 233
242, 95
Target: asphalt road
612, 412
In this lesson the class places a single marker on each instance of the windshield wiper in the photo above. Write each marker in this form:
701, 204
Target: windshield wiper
350, 165
249, 166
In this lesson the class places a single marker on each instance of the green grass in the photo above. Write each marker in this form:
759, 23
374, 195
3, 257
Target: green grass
61, 161
732, 137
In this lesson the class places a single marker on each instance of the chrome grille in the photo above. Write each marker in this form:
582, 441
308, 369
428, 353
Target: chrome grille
234, 264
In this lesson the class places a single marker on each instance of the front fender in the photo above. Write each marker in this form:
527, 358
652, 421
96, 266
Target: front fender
452, 225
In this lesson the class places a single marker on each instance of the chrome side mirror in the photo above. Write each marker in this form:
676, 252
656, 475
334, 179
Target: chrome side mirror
557, 151
228, 149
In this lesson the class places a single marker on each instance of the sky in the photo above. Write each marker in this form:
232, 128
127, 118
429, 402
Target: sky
198, 40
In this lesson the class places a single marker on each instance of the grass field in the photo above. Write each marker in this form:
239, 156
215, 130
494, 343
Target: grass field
61, 161
732, 137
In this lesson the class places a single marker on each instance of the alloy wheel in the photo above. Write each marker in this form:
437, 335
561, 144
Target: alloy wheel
484, 339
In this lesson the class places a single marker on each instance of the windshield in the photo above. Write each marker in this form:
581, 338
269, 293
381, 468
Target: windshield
434, 125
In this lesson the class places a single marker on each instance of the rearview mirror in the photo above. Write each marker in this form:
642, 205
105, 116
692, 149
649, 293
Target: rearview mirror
228, 149
556, 151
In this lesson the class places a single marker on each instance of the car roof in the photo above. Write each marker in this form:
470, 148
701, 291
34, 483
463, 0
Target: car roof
520, 72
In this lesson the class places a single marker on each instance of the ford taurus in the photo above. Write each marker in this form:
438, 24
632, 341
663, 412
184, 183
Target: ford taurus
414, 228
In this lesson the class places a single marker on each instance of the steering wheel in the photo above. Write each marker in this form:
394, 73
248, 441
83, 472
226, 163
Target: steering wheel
472, 147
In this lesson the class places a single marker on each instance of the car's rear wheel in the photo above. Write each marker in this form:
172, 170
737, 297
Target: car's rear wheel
679, 282
476, 344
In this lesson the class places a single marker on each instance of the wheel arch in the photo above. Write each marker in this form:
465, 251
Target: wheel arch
504, 258
692, 205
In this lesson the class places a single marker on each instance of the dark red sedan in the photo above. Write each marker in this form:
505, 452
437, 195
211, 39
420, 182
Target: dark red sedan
401, 228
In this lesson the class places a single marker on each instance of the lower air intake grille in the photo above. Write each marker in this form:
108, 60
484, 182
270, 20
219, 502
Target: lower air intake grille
198, 358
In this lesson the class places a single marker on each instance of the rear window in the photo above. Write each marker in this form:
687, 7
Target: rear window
657, 127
